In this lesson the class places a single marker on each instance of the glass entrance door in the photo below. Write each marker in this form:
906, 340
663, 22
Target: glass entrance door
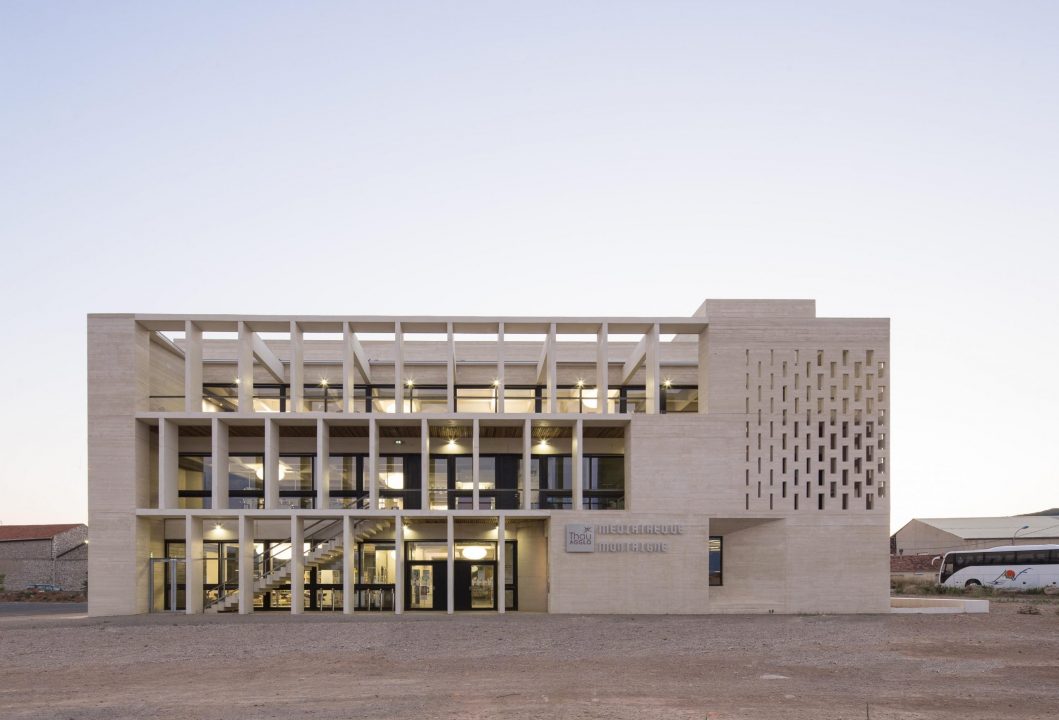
474, 585
483, 587
426, 585
421, 595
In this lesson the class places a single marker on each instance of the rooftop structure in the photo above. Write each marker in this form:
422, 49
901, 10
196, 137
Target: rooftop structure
940, 535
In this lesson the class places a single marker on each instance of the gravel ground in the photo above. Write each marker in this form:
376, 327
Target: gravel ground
1001, 665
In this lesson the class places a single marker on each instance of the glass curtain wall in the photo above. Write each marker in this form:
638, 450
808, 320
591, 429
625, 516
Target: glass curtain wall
194, 481
603, 482
246, 482
297, 489
551, 482
399, 481
452, 482
347, 482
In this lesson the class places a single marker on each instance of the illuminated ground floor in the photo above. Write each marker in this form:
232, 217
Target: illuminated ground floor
536, 561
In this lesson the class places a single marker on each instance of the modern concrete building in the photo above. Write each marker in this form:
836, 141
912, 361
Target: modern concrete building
937, 536
44, 554
736, 460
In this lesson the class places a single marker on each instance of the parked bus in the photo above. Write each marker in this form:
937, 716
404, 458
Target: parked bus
1009, 567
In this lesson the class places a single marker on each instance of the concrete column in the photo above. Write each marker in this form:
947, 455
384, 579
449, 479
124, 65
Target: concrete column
193, 566
373, 461
500, 369
501, 560
349, 378
475, 463
246, 565
271, 464
450, 534
704, 371
297, 565
577, 453
349, 580
602, 369
219, 465
527, 462
192, 367
323, 465
450, 374
168, 465
424, 464
245, 376
549, 361
398, 369
297, 369
651, 370
398, 581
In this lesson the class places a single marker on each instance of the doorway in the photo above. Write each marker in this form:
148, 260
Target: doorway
428, 585
474, 585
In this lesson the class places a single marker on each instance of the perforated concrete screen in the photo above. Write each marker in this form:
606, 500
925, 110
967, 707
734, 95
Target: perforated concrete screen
816, 429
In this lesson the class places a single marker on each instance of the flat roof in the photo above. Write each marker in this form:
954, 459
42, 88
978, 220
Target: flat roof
984, 528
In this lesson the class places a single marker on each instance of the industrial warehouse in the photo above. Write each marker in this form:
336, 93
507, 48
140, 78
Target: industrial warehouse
734, 460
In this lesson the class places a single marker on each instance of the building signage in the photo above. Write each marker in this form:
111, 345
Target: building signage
582, 538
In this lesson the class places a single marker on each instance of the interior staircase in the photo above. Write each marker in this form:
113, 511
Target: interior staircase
326, 553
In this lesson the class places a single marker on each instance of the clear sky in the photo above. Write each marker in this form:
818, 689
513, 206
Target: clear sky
887, 159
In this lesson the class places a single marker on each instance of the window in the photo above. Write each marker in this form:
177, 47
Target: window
296, 486
603, 482
452, 482
194, 481
552, 482
716, 561
246, 482
399, 481
347, 482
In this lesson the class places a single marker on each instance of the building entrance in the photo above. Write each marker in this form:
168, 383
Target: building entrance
474, 586
427, 585
474, 576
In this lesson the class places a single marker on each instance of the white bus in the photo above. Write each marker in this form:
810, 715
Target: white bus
1009, 567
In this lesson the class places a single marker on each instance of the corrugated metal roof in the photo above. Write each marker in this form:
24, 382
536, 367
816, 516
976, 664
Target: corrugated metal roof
984, 528
33, 532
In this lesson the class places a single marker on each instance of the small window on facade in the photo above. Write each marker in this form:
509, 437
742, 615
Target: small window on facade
716, 550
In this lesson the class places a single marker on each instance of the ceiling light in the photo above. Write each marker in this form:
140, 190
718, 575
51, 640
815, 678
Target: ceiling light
398, 442
544, 441
580, 382
496, 382
474, 552
667, 383
237, 381
452, 441
217, 527
409, 382
323, 382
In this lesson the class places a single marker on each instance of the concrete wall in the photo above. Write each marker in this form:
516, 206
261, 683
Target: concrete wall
532, 567
118, 385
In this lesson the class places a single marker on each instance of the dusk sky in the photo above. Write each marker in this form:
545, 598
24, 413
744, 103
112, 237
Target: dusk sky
895, 160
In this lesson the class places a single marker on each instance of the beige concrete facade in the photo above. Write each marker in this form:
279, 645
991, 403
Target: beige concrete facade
378, 461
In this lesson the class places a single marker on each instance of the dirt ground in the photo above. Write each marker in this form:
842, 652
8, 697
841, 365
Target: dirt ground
1001, 665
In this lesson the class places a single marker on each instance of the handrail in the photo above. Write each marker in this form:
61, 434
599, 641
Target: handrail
222, 588
268, 554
